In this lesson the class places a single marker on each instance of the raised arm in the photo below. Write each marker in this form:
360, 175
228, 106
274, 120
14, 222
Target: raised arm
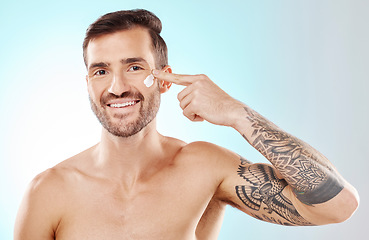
301, 187
311, 176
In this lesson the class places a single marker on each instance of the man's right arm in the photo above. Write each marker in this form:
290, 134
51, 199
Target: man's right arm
38, 215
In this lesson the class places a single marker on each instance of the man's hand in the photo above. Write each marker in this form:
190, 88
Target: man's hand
202, 99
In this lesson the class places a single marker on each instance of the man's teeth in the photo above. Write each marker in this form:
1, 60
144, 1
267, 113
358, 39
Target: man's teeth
118, 105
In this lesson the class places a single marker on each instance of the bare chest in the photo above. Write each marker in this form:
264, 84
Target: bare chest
165, 209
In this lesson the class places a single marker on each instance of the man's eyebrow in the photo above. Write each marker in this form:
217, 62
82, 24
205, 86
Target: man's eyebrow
98, 65
133, 60
123, 61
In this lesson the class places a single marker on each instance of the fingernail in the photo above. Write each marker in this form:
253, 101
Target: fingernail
155, 72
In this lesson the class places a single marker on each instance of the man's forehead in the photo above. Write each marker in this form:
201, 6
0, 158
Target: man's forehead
132, 43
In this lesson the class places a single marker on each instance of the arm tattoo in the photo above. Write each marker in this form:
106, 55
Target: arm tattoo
264, 188
308, 172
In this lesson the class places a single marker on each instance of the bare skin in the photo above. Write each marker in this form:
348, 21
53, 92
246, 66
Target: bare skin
148, 186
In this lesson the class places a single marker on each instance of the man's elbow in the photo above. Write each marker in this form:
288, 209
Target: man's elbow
347, 207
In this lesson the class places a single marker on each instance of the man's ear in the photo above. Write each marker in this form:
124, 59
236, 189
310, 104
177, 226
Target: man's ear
163, 85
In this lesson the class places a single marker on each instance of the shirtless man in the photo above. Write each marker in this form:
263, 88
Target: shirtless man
139, 184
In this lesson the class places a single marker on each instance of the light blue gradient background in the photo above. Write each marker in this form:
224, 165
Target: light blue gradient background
302, 64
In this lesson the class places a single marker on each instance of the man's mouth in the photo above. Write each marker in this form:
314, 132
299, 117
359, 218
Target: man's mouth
122, 105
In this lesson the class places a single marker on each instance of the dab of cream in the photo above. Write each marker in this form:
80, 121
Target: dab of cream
149, 80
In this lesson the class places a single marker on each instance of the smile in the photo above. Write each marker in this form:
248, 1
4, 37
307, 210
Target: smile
121, 105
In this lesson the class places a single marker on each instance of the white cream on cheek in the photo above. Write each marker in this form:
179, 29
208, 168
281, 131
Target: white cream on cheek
149, 80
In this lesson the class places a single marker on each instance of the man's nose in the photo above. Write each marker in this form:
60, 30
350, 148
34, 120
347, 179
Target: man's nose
118, 85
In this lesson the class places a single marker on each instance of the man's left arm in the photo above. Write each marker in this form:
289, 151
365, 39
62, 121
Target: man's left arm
316, 188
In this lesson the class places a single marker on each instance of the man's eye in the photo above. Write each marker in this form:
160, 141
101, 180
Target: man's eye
135, 68
100, 72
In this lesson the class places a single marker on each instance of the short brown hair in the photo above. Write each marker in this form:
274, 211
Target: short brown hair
125, 20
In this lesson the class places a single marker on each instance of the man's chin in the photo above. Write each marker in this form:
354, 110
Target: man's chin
124, 133
124, 128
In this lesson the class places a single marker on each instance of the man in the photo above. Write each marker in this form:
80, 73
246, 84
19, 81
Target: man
138, 184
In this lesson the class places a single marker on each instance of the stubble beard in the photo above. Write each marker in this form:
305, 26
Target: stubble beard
148, 110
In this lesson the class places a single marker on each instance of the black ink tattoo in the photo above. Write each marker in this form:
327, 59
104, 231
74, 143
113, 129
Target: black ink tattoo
264, 188
245, 161
263, 217
305, 170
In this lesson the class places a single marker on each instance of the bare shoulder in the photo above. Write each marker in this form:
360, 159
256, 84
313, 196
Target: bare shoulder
40, 211
51, 185
45, 200
206, 151
200, 148
55, 179
211, 160
48, 187
46, 181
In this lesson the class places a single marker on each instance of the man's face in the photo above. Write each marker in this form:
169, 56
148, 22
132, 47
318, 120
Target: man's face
117, 65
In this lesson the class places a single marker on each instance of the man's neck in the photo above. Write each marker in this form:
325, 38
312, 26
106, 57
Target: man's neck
130, 158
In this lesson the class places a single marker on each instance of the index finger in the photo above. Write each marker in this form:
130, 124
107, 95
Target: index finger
179, 79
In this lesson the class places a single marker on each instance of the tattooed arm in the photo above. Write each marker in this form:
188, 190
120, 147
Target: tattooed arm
301, 187
311, 176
